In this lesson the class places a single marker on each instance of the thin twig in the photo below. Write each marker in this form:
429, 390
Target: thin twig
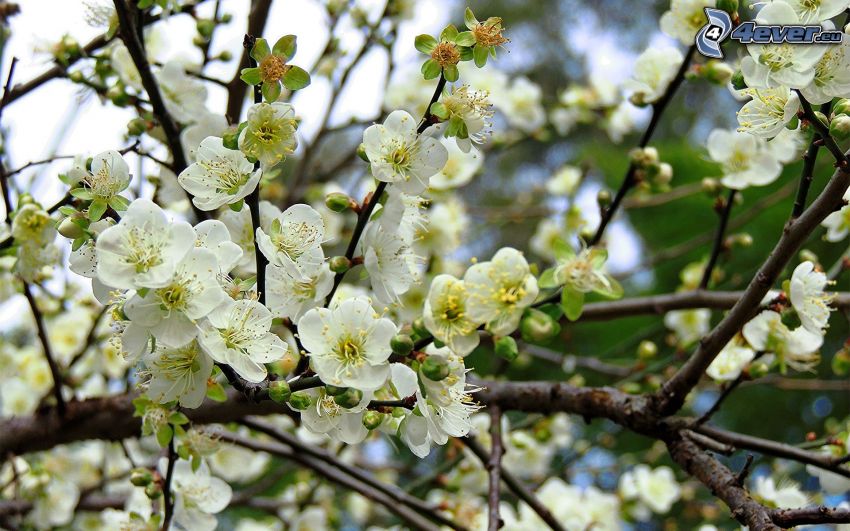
168, 502
809, 160
718, 239
494, 467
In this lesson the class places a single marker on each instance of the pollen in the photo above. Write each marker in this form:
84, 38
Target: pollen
446, 54
273, 68
489, 33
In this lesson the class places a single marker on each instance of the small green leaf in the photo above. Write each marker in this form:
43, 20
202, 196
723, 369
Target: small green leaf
78, 242
82, 193
67, 210
97, 209
465, 53
119, 203
251, 76
296, 78
196, 462
562, 250
451, 73
469, 19
425, 43
177, 418
285, 46
237, 206
465, 38
271, 91
547, 279
164, 435
260, 50
613, 291
430, 69
572, 302
183, 452
479, 54
449, 33
439, 110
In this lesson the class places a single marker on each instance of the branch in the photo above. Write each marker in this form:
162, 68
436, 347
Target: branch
494, 468
672, 395
823, 132
166, 487
787, 518
718, 239
807, 176
236, 87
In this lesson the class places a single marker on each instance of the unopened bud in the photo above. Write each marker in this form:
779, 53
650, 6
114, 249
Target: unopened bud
334, 390
402, 344
743, 239
76, 76
361, 152
538, 326
603, 197
505, 347
418, 326
225, 56
350, 398
300, 401
136, 127
117, 96
730, 6
435, 368
69, 229
153, 490
718, 72
141, 477
372, 419
339, 264
839, 128
664, 174
737, 80
807, 255
226, 18
841, 362
841, 106
643, 157
711, 186
631, 388
758, 369
647, 350
338, 202
279, 391
205, 27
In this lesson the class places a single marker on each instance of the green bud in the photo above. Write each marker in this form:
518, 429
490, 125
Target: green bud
225, 56
538, 327
402, 344
632, 388
226, 18
199, 40
418, 326
505, 347
136, 127
758, 369
738, 82
339, 264
742, 239
69, 229
334, 390
603, 198
841, 106
730, 6
141, 477
841, 362
822, 117
435, 368
350, 398
153, 490
718, 72
338, 202
372, 419
361, 152
279, 391
807, 255
711, 186
300, 401
647, 350
205, 27
230, 139
840, 127
117, 96
76, 76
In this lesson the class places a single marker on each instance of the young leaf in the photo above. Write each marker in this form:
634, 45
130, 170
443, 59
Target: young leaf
572, 302
285, 46
296, 78
425, 43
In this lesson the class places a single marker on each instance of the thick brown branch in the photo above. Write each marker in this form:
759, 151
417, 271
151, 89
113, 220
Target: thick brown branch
787, 518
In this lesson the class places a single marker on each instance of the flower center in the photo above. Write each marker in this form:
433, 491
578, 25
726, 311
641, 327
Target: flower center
489, 33
446, 54
272, 68
349, 351
453, 309
174, 297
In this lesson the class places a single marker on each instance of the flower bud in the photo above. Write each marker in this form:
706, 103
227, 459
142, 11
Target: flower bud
205, 27
372, 419
279, 391
334, 390
632, 388
603, 197
76, 76
711, 186
153, 490
737, 80
538, 327
435, 368
758, 369
643, 157
841, 106
807, 255
339, 264
225, 56
743, 239
136, 127
141, 477
730, 6
647, 350
300, 401
350, 398
839, 128
226, 18
117, 96
338, 202
505, 347
402, 344
841, 362
419, 328
69, 229
718, 72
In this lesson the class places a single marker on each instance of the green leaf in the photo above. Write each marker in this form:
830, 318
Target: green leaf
67, 210
449, 33
183, 452
97, 209
451, 73
271, 91
216, 392
260, 50
82, 193
547, 279
439, 110
296, 78
285, 46
613, 291
562, 250
425, 43
177, 418
465, 38
144, 4
465, 53
164, 435
237, 206
78, 242
251, 76
469, 19
430, 69
196, 463
572, 303
479, 54
119, 203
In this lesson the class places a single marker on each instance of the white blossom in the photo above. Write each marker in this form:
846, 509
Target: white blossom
219, 176
290, 297
684, 19
795, 348
654, 70
446, 314
179, 373
769, 110
808, 297
746, 159
294, 241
